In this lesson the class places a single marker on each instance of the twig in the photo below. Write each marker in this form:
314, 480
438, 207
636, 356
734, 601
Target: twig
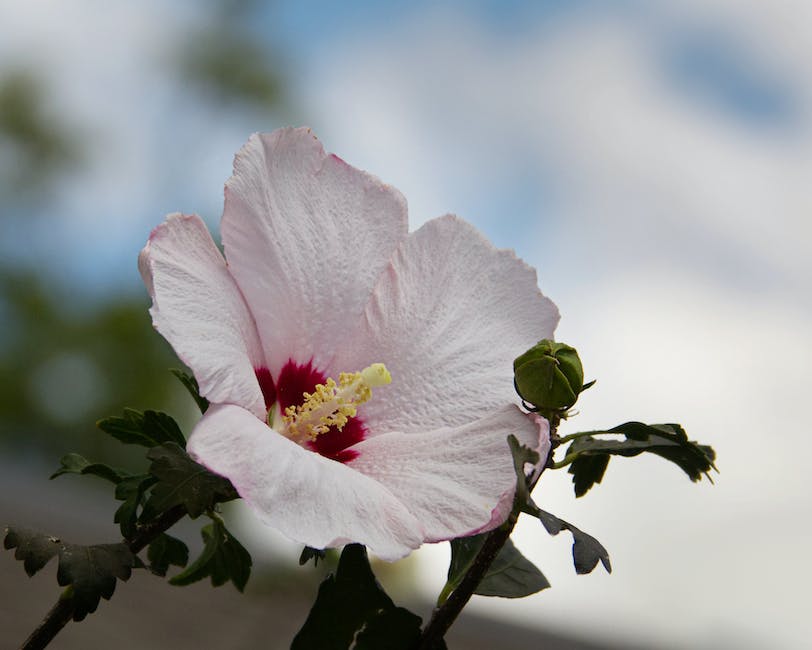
63, 609
445, 615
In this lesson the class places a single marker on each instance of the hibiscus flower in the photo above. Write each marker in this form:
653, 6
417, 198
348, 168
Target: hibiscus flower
360, 375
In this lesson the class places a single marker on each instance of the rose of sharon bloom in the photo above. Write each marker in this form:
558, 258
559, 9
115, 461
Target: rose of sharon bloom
360, 375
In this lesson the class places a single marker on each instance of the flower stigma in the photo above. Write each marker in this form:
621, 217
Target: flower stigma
332, 404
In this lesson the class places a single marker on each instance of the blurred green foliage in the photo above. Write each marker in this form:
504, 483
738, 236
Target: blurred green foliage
230, 62
35, 146
63, 368
67, 359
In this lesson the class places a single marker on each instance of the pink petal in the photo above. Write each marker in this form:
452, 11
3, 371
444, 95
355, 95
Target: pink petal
198, 308
447, 318
309, 498
456, 481
306, 237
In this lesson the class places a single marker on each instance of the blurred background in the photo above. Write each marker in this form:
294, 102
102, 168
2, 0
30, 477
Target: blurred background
653, 160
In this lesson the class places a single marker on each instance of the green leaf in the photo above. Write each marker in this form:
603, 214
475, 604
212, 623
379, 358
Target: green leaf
511, 575
463, 552
76, 464
351, 605
190, 383
131, 491
32, 547
391, 629
586, 550
182, 481
309, 553
165, 551
91, 571
148, 429
591, 455
588, 470
521, 456
223, 558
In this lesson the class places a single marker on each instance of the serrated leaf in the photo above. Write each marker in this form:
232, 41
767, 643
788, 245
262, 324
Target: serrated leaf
77, 464
223, 558
352, 605
148, 429
164, 551
511, 575
131, 491
182, 481
190, 383
586, 550
669, 441
32, 547
91, 571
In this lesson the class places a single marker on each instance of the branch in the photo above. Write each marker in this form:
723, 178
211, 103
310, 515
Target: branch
445, 615
62, 611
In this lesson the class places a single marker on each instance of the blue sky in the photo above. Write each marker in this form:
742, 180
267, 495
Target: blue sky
652, 160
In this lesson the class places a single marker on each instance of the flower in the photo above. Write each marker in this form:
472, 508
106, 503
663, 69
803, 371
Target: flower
324, 297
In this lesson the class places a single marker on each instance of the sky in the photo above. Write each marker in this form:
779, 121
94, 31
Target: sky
651, 159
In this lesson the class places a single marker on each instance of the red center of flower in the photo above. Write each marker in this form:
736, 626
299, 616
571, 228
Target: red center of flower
293, 382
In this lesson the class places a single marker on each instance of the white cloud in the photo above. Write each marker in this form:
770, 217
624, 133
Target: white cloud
110, 71
675, 240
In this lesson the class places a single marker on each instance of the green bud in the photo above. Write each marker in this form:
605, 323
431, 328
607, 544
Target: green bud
549, 376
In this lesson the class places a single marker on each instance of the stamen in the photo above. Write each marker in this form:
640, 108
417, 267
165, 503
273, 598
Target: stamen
332, 404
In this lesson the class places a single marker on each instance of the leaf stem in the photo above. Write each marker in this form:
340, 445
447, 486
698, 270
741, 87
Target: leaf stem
579, 434
565, 461
63, 609
444, 616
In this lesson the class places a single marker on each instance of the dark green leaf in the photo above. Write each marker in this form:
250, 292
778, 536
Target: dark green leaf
591, 454
148, 429
165, 551
91, 571
587, 470
586, 550
511, 575
190, 383
391, 629
223, 558
32, 547
521, 456
131, 491
463, 552
309, 553
352, 605
76, 464
182, 481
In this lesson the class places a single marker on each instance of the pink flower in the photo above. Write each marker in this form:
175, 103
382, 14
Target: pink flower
323, 278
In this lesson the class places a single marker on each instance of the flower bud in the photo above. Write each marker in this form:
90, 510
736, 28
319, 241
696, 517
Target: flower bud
549, 376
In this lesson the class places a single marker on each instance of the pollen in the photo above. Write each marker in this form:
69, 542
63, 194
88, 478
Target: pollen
332, 403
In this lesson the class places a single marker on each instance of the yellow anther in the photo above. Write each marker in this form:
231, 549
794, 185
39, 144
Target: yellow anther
331, 404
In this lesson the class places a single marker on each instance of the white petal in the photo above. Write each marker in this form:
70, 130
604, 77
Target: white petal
312, 500
447, 318
456, 481
306, 237
198, 308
